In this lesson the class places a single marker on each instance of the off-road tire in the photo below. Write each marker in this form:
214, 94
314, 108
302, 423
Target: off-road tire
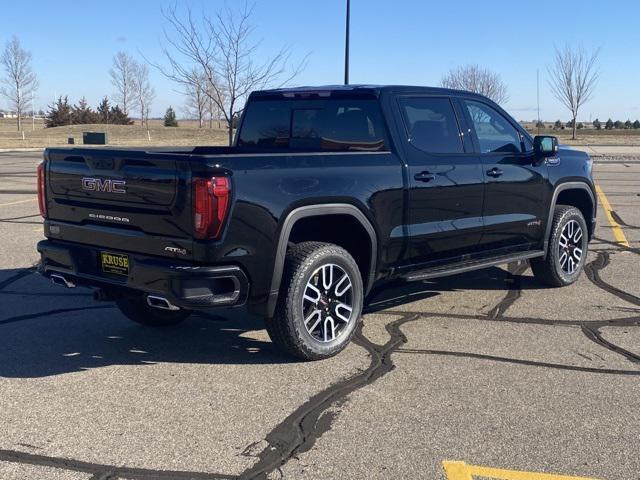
548, 269
135, 308
287, 328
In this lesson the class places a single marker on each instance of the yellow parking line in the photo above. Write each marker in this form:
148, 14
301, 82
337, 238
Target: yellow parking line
16, 203
462, 471
615, 226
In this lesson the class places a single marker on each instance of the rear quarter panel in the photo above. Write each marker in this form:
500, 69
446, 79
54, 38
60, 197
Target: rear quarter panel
267, 187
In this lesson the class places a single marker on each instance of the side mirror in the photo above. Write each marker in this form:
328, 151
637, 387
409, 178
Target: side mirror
545, 146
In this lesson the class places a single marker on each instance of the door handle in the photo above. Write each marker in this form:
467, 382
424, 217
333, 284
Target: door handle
495, 172
424, 176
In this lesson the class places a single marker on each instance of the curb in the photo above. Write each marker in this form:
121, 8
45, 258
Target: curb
9, 150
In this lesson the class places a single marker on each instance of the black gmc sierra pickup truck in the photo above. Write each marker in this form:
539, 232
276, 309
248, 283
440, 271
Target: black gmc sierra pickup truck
326, 192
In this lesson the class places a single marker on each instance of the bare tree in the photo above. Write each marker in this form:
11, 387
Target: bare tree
474, 78
213, 109
143, 92
573, 78
19, 82
221, 46
122, 78
197, 103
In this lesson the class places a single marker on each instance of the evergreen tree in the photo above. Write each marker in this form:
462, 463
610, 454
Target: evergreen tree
636, 124
609, 125
103, 111
170, 118
557, 125
597, 125
83, 114
580, 126
60, 113
118, 117
628, 124
618, 125
540, 124
569, 124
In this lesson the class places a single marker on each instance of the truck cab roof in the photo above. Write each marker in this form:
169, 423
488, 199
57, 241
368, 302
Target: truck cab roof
356, 90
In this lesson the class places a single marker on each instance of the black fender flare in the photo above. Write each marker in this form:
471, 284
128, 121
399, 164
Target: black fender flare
556, 192
314, 211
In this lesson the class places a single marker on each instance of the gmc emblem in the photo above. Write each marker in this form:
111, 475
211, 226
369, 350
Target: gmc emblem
106, 185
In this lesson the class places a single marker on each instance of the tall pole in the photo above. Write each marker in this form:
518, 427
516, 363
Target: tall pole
346, 45
538, 96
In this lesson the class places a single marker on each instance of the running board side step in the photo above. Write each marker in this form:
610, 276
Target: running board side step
470, 265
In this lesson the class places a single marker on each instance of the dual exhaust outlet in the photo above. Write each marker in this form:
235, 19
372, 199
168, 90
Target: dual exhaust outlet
154, 301
161, 303
62, 280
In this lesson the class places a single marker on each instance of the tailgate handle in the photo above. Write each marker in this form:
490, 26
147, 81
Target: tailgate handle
100, 163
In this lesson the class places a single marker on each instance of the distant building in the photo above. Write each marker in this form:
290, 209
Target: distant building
4, 114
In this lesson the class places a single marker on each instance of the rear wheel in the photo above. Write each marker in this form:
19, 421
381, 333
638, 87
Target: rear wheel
567, 249
135, 308
320, 301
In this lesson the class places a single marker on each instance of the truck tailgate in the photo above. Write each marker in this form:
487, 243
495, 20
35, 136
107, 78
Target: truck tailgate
138, 201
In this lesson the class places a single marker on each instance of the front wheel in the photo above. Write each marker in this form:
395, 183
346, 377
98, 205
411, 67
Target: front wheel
320, 301
567, 250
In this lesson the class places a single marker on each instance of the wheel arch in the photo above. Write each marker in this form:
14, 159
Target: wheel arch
575, 194
310, 212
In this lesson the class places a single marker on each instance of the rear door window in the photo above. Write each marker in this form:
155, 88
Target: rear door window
432, 125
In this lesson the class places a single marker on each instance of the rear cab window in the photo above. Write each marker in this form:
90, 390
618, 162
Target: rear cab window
333, 125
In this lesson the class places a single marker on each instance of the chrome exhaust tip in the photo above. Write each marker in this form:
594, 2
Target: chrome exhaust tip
61, 280
161, 303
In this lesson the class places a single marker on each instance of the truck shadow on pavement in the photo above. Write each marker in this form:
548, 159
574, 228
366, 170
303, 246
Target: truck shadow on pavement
400, 292
51, 331
47, 330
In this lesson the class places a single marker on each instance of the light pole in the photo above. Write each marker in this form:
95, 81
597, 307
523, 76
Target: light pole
538, 97
346, 45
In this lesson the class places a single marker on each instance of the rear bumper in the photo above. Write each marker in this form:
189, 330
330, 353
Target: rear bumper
186, 285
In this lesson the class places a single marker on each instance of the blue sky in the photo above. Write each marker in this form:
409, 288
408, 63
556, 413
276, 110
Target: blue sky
393, 41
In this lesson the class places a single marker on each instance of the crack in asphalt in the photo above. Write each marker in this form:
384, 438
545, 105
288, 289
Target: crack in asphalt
21, 273
514, 278
56, 311
101, 471
18, 222
593, 333
618, 219
305, 425
615, 322
518, 361
617, 246
300, 430
22, 217
592, 270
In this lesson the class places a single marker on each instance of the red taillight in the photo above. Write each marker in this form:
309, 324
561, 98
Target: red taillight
211, 198
42, 196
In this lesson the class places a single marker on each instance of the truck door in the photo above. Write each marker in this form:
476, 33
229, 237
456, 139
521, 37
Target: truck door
515, 205
445, 178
